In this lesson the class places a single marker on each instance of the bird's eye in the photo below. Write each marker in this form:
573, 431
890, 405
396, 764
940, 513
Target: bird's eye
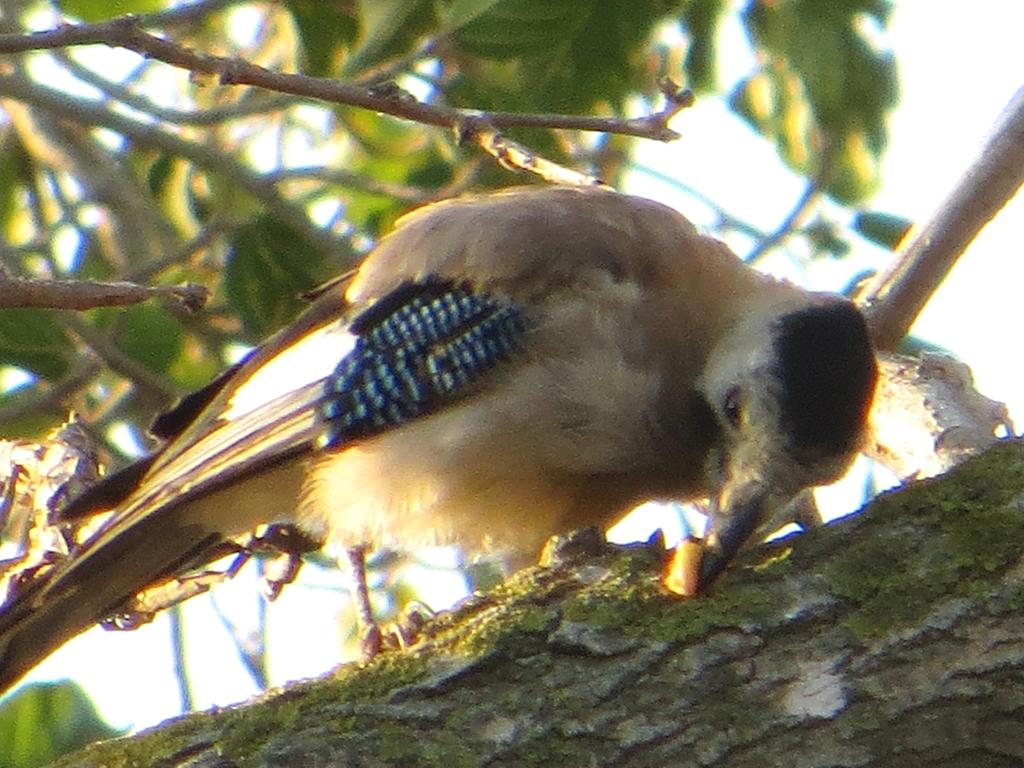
732, 407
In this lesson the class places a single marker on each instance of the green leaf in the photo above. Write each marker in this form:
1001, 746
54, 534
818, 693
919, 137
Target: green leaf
514, 28
30, 425
33, 340
559, 55
150, 335
327, 29
457, 13
13, 174
388, 28
200, 203
701, 18
101, 10
44, 721
857, 169
827, 239
831, 88
159, 173
268, 265
773, 101
886, 229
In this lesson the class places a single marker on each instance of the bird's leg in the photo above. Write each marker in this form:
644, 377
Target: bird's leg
803, 510
408, 627
284, 546
142, 607
371, 638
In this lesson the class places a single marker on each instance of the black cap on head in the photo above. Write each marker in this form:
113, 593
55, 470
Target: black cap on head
827, 372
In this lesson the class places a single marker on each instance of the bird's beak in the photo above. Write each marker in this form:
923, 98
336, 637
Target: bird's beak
733, 519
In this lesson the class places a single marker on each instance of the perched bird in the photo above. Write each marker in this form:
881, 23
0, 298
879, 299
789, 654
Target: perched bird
501, 368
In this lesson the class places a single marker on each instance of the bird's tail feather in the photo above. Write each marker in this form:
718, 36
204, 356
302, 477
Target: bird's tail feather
61, 603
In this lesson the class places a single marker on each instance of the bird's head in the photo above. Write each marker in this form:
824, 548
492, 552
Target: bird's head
790, 388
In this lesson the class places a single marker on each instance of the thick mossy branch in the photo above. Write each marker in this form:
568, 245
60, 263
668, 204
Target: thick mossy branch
894, 637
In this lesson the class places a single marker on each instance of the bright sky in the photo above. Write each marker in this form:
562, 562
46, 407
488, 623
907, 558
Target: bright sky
959, 67
964, 64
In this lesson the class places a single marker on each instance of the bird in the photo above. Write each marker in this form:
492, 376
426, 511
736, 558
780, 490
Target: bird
500, 368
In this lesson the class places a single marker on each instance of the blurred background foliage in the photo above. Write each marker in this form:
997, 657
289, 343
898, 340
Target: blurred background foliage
115, 167
42, 722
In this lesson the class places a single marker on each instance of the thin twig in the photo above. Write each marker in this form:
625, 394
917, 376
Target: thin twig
63, 148
215, 115
894, 298
204, 240
799, 211
83, 294
150, 384
344, 178
126, 32
517, 157
389, 70
726, 220
804, 204
48, 398
253, 658
186, 700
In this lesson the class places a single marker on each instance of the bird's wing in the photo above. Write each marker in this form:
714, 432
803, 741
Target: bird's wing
404, 356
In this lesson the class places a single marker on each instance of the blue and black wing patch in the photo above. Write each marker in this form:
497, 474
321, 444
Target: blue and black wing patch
417, 349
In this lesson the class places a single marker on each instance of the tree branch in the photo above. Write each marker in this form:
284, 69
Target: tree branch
798, 213
516, 157
892, 637
212, 115
127, 32
893, 300
84, 294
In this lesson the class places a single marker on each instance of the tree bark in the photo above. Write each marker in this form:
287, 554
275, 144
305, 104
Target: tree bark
891, 638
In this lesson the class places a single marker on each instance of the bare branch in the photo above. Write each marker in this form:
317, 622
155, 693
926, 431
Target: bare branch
82, 294
266, 104
127, 32
803, 206
517, 157
346, 178
895, 298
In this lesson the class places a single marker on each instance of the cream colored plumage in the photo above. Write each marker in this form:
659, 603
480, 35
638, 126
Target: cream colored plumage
647, 367
570, 435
